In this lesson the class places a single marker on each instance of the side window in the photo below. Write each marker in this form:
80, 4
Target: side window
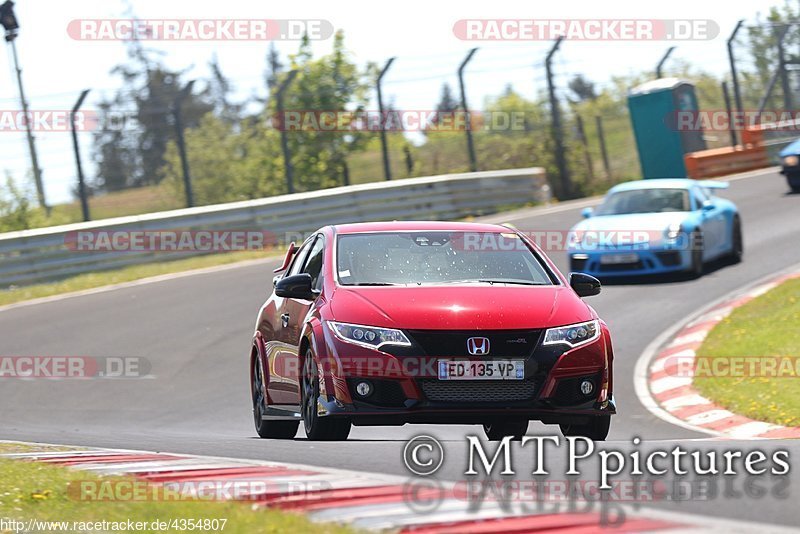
313, 264
299, 258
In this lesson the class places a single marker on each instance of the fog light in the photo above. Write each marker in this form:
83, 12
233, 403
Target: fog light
587, 387
364, 389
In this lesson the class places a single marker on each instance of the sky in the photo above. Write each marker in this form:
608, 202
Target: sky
57, 67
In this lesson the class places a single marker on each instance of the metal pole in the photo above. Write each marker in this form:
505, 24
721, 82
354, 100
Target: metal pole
387, 170
81, 183
565, 184
737, 96
726, 95
602, 137
585, 143
473, 162
37, 171
787, 94
176, 110
287, 156
663, 60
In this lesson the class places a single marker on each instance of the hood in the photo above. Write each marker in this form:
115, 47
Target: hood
460, 307
628, 229
792, 150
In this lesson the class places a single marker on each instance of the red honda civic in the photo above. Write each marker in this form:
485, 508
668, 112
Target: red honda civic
428, 322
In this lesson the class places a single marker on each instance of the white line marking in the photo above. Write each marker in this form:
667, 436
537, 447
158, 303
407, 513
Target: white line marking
684, 401
669, 382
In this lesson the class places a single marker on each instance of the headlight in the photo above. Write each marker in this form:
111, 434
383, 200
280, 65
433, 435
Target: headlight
674, 231
368, 336
573, 335
791, 161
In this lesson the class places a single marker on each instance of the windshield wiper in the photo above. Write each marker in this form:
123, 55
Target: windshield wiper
493, 281
372, 284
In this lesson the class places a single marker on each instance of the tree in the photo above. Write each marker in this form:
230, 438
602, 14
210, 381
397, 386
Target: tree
582, 88
136, 123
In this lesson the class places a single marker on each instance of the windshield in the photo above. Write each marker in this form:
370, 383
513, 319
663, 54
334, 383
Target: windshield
437, 257
645, 201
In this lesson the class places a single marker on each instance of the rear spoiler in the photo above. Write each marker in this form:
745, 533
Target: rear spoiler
713, 184
288, 258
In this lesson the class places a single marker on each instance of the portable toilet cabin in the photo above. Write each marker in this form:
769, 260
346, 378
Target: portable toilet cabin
654, 107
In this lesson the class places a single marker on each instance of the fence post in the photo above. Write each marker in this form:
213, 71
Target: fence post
663, 60
473, 162
81, 183
737, 96
598, 120
180, 142
565, 183
726, 95
585, 143
387, 170
287, 155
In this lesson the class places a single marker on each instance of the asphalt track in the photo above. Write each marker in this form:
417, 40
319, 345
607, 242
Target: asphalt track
195, 331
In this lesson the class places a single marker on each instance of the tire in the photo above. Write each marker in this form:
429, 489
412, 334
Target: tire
267, 429
737, 243
497, 431
795, 188
696, 267
596, 429
318, 428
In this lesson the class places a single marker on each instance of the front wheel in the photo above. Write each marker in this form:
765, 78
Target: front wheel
267, 429
596, 429
497, 431
696, 266
737, 243
318, 428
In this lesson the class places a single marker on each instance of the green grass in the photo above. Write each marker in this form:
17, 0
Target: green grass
30, 490
126, 274
765, 326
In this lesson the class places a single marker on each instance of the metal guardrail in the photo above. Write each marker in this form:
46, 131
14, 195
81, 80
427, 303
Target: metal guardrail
41, 254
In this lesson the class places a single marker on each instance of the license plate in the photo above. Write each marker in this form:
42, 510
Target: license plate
612, 259
481, 370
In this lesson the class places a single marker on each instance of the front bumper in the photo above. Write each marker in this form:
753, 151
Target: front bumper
406, 389
652, 260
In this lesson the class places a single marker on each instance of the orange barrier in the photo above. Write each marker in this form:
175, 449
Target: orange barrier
727, 160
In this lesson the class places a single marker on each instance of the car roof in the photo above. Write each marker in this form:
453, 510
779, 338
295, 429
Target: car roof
655, 183
417, 226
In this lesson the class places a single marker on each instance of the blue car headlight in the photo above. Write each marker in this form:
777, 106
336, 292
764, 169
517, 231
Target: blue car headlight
674, 231
573, 335
372, 337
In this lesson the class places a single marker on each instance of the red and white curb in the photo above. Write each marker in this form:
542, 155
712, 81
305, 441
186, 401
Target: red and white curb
670, 384
367, 501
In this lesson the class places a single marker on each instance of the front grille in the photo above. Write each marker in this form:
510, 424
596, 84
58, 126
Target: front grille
613, 267
478, 390
453, 343
671, 258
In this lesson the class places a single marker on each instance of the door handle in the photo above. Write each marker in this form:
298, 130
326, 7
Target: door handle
285, 320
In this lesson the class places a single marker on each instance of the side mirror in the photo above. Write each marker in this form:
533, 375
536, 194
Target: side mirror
707, 205
584, 285
587, 212
297, 286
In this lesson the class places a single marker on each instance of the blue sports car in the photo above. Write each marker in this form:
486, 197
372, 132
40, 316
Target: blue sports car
790, 165
656, 226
